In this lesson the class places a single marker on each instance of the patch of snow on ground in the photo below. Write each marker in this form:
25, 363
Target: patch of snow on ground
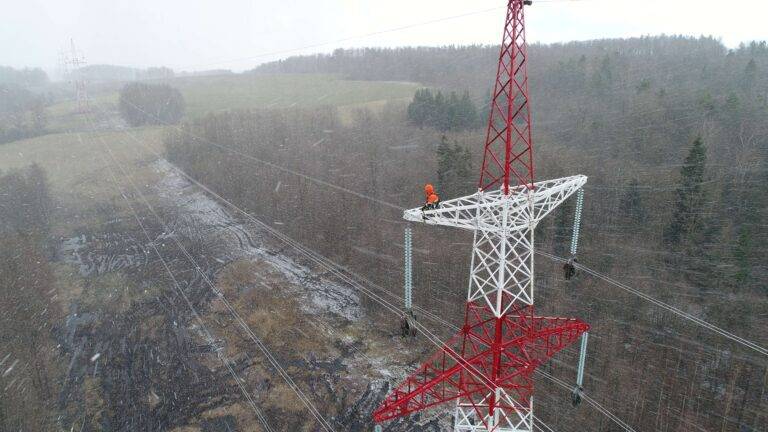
324, 296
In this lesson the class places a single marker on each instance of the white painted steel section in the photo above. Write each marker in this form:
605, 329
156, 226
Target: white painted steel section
483, 210
520, 420
501, 272
502, 255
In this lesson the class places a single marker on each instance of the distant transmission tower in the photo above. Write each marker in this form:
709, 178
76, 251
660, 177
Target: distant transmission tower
71, 61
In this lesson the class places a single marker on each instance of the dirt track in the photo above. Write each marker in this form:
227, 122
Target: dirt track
148, 364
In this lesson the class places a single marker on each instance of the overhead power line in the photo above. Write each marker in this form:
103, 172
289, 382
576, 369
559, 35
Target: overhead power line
738, 339
329, 265
224, 360
356, 37
747, 343
346, 39
589, 400
324, 262
257, 341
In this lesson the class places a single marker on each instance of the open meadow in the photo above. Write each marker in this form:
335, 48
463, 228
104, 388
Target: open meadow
217, 93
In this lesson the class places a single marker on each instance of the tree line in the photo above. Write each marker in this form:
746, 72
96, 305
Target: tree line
26, 77
368, 158
105, 73
443, 113
150, 104
673, 134
23, 114
29, 313
23, 102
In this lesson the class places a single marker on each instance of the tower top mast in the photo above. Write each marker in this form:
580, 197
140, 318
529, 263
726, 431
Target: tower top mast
508, 155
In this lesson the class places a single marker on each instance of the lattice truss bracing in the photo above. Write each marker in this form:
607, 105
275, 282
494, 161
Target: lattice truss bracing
508, 156
502, 259
485, 211
486, 368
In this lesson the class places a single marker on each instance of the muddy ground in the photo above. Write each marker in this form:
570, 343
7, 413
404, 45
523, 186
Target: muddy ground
141, 358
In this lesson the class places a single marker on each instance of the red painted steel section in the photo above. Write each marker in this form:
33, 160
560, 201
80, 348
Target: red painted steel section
488, 353
508, 156
493, 352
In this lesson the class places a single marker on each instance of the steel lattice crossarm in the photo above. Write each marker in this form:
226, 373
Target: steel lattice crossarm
486, 368
502, 257
496, 212
488, 364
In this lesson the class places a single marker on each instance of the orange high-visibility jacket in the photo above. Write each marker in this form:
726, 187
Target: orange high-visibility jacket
433, 198
428, 190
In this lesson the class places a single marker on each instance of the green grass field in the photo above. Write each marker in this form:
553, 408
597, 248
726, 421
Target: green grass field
72, 154
74, 159
206, 94
242, 91
64, 117
77, 173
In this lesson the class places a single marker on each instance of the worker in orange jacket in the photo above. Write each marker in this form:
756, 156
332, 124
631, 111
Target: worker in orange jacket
432, 200
428, 190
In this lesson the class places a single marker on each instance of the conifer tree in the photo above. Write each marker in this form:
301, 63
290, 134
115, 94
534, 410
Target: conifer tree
741, 255
466, 113
454, 169
439, 114
419, 109
689, 196
442, 112
632, 203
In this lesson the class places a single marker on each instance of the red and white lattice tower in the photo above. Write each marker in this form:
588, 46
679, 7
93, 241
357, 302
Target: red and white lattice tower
486, 369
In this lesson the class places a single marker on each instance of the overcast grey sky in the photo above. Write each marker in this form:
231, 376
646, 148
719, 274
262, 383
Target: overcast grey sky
237, 34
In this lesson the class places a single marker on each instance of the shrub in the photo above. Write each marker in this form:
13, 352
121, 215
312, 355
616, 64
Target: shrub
142, 104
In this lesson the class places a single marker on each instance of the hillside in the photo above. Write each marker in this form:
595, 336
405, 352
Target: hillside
123, 351
246, 263
626, 114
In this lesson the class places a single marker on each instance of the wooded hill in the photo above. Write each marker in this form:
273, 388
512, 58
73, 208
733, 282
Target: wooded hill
673, 133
